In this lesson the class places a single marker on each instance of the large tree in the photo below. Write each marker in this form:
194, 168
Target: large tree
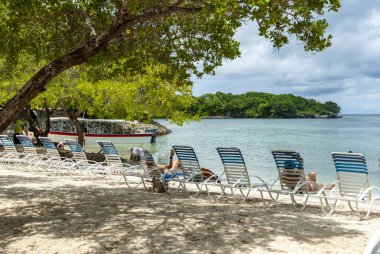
159, 92
191, 37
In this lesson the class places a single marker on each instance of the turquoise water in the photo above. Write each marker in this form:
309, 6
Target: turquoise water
314, 139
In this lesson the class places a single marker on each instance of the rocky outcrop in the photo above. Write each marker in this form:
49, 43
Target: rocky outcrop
126, 127
141, 127
93, 127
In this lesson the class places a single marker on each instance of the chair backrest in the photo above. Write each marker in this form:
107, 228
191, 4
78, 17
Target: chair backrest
76, 149
50, 148
352, 173
147, 159
9, 146
234, 165
110, 152
189, 163
27, 144
289, 164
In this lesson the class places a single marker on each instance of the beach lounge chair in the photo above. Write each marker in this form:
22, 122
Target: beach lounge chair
190, 172
130, 174
147, 159
10, 156
236, 174
92, 168
56, 162
353, 184
152, 174
373, 245
291, 178
35, 160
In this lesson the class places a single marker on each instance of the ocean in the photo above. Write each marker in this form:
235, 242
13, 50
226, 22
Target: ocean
314, 139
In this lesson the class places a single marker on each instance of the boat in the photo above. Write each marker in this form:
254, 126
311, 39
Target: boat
98, 129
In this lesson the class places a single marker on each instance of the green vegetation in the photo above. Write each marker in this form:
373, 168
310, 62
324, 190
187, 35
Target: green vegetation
122, 40
262, 105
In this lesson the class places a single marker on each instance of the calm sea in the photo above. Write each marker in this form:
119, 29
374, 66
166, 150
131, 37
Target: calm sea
314, 139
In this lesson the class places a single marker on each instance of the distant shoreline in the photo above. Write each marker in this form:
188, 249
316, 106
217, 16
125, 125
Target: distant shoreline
290, 117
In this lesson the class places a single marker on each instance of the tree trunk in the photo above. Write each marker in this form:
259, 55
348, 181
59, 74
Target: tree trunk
73, 117
80, 131
47, 122
36, 84
32, 125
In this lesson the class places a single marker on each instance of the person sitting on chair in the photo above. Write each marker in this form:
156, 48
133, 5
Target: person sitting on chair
292, 171
175, 165
312, 184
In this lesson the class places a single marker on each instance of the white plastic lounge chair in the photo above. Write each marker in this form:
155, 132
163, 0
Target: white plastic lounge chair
291, 178
11, 157
130, 174
152, 174
353, 184
147, 158
92, 168
237, 177
373, 246
56, 162
190, 172
8, 146
35, 160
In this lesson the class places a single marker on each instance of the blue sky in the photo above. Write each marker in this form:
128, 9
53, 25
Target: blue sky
347, 73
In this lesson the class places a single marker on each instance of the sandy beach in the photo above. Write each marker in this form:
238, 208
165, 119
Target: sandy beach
59, 214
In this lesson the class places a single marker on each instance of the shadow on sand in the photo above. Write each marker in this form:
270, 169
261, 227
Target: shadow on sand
121, 220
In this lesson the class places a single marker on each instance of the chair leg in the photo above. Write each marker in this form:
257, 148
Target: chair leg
253, 194
360, 211
302, 205
126, 181
305, 202
144, 184
350, 206
369, 209
207, 190
331, 208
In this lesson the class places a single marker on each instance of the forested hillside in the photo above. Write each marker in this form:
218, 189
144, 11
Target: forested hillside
262, 105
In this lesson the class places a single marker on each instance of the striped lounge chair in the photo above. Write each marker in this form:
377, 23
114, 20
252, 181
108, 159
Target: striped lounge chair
56, 162
35, 160
353, 184
190, 172
236, 174
92, 168
130, 173
291, 178
10, 157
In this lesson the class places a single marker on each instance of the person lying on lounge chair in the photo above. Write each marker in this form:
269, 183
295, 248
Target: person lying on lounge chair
312, 185
174, 165
291, 175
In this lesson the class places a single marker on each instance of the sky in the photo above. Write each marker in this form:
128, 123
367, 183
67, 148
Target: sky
347, 73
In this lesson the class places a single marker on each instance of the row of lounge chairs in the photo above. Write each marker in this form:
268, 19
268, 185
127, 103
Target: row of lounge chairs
352, 186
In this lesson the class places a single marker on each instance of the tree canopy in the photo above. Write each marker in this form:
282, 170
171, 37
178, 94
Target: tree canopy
125, 37
262, 105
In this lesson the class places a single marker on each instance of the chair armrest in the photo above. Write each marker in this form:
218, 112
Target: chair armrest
322, 191
300, 185
274, 181
366, 191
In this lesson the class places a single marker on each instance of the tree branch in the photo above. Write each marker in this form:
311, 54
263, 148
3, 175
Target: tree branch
36, 84
90, 28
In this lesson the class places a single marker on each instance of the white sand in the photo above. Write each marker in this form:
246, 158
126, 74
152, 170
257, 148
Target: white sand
55, 214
